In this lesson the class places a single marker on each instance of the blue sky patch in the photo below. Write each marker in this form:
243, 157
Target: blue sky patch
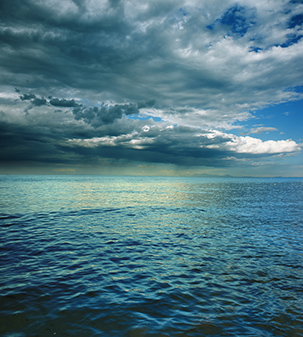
291, 39
144, 118
296, 20
287, 118
238, 18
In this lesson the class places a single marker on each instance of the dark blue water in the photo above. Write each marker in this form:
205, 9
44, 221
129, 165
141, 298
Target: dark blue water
140, 256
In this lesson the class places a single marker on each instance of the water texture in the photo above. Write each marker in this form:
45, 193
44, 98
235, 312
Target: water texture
143, 256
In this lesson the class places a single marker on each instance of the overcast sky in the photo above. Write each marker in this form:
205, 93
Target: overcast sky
151, 87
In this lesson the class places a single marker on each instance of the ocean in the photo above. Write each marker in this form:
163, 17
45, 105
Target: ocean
150, 256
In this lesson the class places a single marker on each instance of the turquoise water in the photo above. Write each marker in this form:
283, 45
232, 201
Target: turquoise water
146, 256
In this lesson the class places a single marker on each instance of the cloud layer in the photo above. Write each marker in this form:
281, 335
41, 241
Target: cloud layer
159, 81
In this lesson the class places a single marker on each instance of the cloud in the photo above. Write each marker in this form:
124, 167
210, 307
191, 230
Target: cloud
179, 145
104, 114
27, 97
147, 104
262, 129
130, 52
66, 103
39, 101
162, 81
60, 139
249, 145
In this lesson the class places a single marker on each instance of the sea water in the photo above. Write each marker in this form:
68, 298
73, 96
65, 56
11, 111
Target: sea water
150, 256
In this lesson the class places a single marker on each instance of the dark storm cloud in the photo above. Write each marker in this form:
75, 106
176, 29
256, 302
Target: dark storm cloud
35, 101
49, 145
64, 103
22, 144
39, 101
96, 116
27, 97
64, 47
170, 146
57, 102
146, 104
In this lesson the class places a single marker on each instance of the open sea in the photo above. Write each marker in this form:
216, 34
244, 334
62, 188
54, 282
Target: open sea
150, 256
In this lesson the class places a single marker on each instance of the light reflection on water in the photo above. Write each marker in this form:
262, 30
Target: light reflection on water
138, 256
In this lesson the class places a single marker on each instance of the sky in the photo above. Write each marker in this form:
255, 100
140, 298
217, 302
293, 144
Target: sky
173, 88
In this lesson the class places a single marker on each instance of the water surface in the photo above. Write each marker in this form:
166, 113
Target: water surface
143, 256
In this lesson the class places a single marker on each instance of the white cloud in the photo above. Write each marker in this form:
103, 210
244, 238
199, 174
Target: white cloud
262, 129
249, 145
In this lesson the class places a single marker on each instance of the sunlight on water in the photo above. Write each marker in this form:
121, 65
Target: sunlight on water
139, 256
